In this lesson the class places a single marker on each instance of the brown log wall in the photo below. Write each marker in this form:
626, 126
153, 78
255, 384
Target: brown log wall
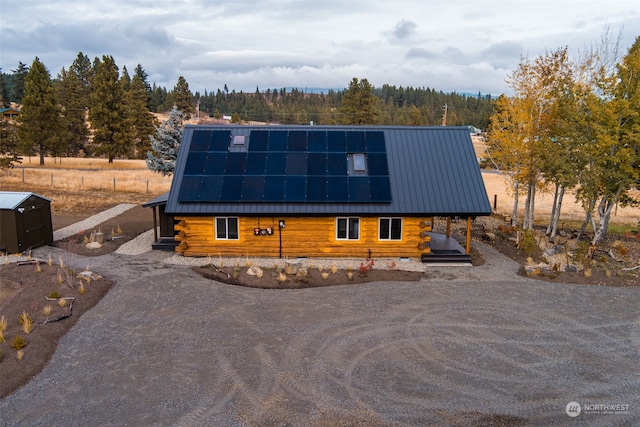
301, 237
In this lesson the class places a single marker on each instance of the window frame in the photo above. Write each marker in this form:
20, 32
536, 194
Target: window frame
227, 234
389, 231
350, 221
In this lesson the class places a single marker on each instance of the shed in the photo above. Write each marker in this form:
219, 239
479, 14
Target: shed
25, 221
323, 191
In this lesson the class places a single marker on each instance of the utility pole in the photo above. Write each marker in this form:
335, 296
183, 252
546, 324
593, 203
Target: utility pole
444, 116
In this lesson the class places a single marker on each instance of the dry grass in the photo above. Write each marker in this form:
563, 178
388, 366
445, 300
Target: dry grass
79, 185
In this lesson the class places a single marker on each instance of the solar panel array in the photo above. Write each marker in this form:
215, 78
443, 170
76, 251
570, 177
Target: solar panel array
285, 166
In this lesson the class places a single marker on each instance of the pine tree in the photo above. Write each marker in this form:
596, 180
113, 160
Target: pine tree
70, 96
109, 112
19, 81
183, 98
143, 121
359, 104
165, 144
83, 69
8, 145
40, 122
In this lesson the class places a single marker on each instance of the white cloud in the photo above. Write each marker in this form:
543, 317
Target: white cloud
451, 46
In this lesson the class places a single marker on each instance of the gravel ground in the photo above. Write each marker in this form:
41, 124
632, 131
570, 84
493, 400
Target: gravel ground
464, 346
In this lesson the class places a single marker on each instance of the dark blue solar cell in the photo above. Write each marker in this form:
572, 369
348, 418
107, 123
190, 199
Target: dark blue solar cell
276, 163
359, 189
336, 141
236, 163
190, 189
211, 186
316, 189
295, 189
375, 142
220, 140
195, 163
258, 140
296, 163
337, 189
273, 189
256, 163
317, 164
337, 164
380, 189
377, 163
216, 163
231, 188
355, 142
297, 140
317, 141
278, 140
200, 140
252, 188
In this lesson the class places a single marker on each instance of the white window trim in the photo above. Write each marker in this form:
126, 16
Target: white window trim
348, 218
226, 231
390, 224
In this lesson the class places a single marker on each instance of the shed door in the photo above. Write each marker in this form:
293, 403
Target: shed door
33, 227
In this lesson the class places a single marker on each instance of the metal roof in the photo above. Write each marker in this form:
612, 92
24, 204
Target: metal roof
11, 200
432, 171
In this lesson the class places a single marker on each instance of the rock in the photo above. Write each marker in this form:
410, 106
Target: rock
489, 236
93, 245
571, 269
554, 250
254, 271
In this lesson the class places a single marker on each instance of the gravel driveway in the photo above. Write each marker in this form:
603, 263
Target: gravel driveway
463, 346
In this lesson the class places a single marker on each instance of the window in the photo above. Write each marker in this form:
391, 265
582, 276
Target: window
390, 229
358, 163
226, 228
348, 228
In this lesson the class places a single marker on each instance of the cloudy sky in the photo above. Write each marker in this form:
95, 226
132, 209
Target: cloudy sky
448, 45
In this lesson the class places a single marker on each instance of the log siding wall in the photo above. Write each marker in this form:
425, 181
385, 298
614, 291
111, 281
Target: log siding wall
301, 237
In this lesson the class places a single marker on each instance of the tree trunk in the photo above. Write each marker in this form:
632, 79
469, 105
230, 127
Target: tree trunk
527, 207
514, 214
587, 219
41, 149
554, 231
553, 211
604, 211
532, 207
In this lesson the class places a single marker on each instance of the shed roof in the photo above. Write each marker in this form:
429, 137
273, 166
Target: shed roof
11, 200
416, 171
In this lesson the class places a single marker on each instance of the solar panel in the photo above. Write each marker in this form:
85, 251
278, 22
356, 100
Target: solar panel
236, 163
296, 163
252, 188
359, 190
297, 140
200, 140
295, 189
215, 163
256, 163
278, 140
220, 140
259, 140
317, 164
336, 141
355, 142
317, 142
286, 166
337, 189
375, 142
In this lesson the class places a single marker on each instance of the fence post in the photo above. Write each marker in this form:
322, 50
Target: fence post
147, 186
114, 183
82, 183
23, 175
51, 179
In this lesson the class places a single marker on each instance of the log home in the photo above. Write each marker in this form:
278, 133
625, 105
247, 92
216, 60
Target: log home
322, 191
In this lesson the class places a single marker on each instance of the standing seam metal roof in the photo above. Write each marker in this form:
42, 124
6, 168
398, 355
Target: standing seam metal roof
432, 171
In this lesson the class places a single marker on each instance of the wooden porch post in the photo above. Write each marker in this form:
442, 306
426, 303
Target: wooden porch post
468, 248
155, 225
448, 226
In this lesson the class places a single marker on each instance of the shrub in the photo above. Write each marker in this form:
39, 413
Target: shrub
18, 342
54, 295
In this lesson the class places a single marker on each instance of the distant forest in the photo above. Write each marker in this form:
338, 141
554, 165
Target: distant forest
405, 106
